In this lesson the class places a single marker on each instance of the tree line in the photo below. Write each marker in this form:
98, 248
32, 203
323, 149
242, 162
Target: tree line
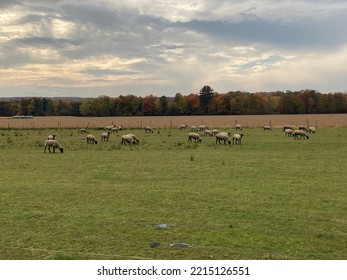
206, 102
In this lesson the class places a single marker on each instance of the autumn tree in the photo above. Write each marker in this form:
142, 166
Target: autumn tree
193, 104
148, 106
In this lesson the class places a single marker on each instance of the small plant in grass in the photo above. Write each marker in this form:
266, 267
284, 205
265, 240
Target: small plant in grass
192, 158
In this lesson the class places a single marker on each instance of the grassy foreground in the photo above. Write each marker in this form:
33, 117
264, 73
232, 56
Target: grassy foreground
272, 197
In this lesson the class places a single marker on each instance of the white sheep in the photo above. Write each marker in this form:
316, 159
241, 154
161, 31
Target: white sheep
91, 139
105, 136
52, 144
136, 139
127, 139
302, 127
215, 132
288, 132
267, 127
238, 127
148, 129
311, 129
288, 127
223, 136
83, 130
237, 138
300, 133
194, 136
114, 130
194, 128
182, 126
208, 132
203, 127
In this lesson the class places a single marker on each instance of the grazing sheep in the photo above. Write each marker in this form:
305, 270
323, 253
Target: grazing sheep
91, 139
208, 132
137, 140
202, 127
288, 132
237, 138
300, 133
51, 137
109, 127
52, 144
267, 127
311, 129
223, 136
83, 130
194, 136
238, 127
194, 128
302, 127
127, 139
182, 126
105, 136
288, 127
215, 132
148, 129
114, 130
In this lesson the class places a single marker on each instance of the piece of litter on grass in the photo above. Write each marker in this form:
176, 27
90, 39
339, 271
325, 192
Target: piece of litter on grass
179, 245
154, 244
160, 226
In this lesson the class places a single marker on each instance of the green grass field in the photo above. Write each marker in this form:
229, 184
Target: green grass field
272, 197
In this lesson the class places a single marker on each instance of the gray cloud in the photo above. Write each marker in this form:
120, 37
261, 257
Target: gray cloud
179, 46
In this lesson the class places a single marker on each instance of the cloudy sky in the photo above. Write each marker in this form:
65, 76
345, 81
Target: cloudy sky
89, 48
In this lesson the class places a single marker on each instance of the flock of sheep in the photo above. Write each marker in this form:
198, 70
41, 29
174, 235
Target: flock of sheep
301, 132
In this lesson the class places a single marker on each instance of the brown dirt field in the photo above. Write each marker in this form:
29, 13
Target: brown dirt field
326, 120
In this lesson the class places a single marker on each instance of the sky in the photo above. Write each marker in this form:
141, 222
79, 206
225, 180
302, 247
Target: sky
89, 48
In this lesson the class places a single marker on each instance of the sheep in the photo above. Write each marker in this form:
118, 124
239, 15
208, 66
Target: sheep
127, 139
208, 132
91, 139
267, 127
135, 138
215, 132
83, 130
109, 127
105, 136
194, 136
52, 144
288, 132
223, 136
311, 129
148, 129
300, 133
288, 127
51, 137
202, 127
238, 127
194, 128
182, 126
237, 138
114, 129
302, 127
